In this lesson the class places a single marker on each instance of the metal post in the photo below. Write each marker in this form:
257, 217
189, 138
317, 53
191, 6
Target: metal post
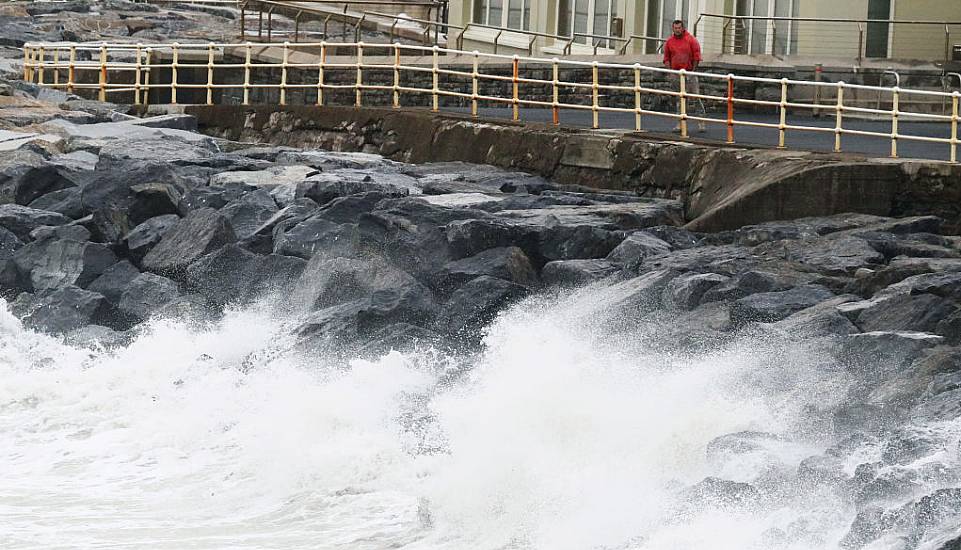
56, 67
283, 73
515, 105
297, 25
955, 97
839, 109
818, 73
27, 53
270, 24
895, 98
594, 105
555, 110
260, 21
247, 74
103, 72
360, 74
43, 54
637, 97
397, 75
434, 70
947, 44
782, 126
730, 108
243, 20
173, 73
474, 86
210, 73
136, 76
860, 42
149, 70
682, 99
71, 68
773, 37
320, 73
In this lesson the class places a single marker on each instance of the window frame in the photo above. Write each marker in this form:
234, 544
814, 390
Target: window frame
485, 10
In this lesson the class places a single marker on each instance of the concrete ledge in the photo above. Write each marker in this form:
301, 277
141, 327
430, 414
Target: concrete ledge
722, 187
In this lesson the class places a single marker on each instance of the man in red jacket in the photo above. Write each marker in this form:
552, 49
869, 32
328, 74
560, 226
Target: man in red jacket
682, 51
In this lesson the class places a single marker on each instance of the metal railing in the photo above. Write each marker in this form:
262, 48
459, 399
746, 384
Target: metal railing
533, 35
775, 35
598, 41
142, 69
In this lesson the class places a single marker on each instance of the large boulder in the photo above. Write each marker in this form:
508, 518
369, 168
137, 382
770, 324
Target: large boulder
832, 256
65, 201
577, 242
40, 180
266, 179
200, 233
114, 281
774, 306
210, 197
636, 247
328, 281
9, 243
233, 274
325, 187
686, 291
153, 199
141, 239
576, 272
313, 236
21, 220
248, 213
745, 284
507, 263
61, 310
475, 304
146, 294
53, 263
906, 312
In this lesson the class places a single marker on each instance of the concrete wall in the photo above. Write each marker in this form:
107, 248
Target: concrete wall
924, 41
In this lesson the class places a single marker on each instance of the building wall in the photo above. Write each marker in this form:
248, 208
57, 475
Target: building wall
925, 41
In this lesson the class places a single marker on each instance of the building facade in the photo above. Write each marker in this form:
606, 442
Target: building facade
923, 29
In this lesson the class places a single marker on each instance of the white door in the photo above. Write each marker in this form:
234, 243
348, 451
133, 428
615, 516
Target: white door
762, 36
588, 20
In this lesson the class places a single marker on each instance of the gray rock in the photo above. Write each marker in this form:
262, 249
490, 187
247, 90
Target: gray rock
576, 272
325, 187
248, 213
832, 256
577, 242
209, 197
233, 275
636, 247
774, 306
196, 235
508, 263
269, 178
154, 199
328, 281
21, 220
146, 294
54, 263
60, 310
114, 281
316, 235
686, 291
9, 243
819, 320
38, 181
906, 312
71, 231
109, 225
65, 201
877, 354
469, 237
141, 239
475, 304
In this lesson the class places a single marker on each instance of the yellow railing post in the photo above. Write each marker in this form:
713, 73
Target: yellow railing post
40, 59
136, 76
149, 70
56, 67
103, 72
839, 109
682, 100
955, 99
434, 70
515, 75
594, 89
283, 73
637, 97
320, 73
71, 69
555, 92
397, 75
895, 101
210, 73
247, 74
27, 54
474, 85
359, 87
782, 125
173, 73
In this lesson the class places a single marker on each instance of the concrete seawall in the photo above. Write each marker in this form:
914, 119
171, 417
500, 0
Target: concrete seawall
722, 187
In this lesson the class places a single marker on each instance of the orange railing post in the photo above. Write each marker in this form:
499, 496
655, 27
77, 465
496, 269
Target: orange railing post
730, 108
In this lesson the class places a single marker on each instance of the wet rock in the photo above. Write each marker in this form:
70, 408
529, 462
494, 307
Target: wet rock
196, 235
54, 263
70, 231
112, 283
325, 187
507, 263
209, 197
146, 294
831, 256
469, 237
154, 199
233, 275
475, 304
141, 239
636, 247
248, 213
721, 493
21, 220
906, 312
685, 292
65, 201
576, 272
9, 243
401, 337
577, 242
38, 181
96, 337
774, 306
819, 320
879, 353
60, 310
348, 209
109, 225
267, 179
328, 281
316, 235
821, 471
945, 285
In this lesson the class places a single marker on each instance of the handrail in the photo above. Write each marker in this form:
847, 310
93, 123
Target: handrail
397, 18
501, 30
825, 19
632, 37
627, 41
138, 71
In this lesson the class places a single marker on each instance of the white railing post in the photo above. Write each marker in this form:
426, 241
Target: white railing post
682, 100
247, 75
173, 73
515, 72
435, 89
895, 101
955, 99
782, 125
360, 75
637, 97
595, 122
71, 68
40, 59
320, 74
839, 109
283, 73
396, 75
210, 73
555, 81
56, 67
474, 85
136, 76
148, 71
103, 72
27, 55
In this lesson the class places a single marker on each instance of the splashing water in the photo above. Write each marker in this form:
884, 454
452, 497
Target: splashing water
565, 432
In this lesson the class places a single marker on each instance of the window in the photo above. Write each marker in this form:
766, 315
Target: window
661, 14
590, 17
515, 15
761, 36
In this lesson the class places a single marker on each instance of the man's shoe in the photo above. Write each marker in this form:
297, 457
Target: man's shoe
700, 128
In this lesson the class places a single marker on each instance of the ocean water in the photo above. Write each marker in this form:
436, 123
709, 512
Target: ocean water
572, 428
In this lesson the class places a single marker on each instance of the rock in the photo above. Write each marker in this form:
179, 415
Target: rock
819, 320
233, 275
38, 181
69, 231
112, 283
109, 225
151, 200
196, 235
945, 285
328, 281
676, 237
248, 213
906, 312
9, 243
348, 209
325, 187
401, 337
43, 8
11, 282
316, 235
21, 220
578, 242
146, 294
576, 272
774, 306
721, 493
508, 263
55, 263
60, 310
329, 160
469, 237
686, 291
475, 304
169, 149
141, 239
831, 256
65, 201
636, 247
269, 178
209, 197
880, 353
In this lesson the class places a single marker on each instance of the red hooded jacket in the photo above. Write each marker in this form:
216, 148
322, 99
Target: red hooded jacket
681, 53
